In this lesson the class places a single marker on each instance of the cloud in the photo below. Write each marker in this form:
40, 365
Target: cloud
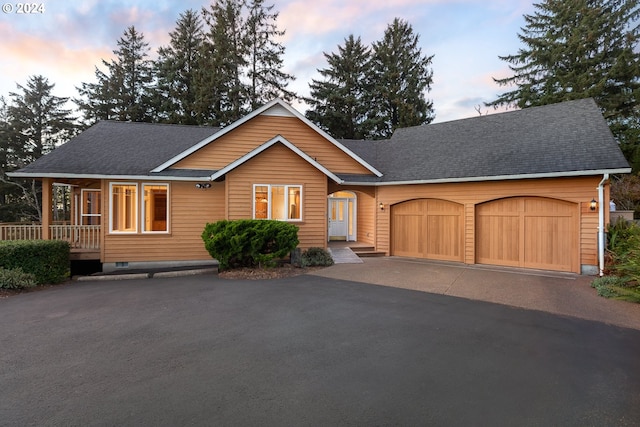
35, 55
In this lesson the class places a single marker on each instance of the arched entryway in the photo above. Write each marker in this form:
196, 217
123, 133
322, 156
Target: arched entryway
342, 216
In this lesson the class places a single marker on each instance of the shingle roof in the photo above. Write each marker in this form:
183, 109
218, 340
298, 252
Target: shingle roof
559, 138
120, 148
564, 138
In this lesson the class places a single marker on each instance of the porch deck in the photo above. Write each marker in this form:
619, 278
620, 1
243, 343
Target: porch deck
83, 239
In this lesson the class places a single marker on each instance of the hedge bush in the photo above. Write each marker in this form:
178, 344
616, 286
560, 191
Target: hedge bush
249, 242
47, 260
316, 257
15, 278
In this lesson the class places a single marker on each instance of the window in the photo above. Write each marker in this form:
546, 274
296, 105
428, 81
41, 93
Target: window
90, 207
124, 208
156, 206
282, 202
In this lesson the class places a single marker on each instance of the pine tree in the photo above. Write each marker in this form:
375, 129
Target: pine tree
34, 123
400, 77
38, 119
267, 80
221, 91
176, 70
579, 49
124, 91
338, 103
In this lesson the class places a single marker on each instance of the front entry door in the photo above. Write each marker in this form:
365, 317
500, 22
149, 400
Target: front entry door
338, 219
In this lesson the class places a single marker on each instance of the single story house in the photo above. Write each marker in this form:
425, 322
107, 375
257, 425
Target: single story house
525, 188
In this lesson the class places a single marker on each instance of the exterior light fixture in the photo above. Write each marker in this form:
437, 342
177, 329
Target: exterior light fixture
593, 204
381, 206
204, 185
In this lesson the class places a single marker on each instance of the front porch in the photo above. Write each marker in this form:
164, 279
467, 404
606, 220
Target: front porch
83, 239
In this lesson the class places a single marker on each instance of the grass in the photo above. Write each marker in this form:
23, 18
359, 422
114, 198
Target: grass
618, 288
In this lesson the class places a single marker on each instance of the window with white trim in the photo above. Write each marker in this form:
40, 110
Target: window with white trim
90, 207
123, 208
155, 208
275, 201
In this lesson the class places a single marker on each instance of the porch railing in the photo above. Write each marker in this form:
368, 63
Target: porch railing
78, 236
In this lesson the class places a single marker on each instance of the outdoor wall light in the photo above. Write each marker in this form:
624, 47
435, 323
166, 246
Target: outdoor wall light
593, 204
204, 185
381, 206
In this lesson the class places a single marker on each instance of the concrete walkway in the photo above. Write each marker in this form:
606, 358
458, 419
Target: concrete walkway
558, 293
344, 255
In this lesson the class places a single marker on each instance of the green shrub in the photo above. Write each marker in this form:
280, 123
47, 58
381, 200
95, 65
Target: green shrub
47, 260
624, 249
617, 288
316, 257
623, 236
15, 278
249, 242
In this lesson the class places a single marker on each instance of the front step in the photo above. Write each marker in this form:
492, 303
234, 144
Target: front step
366, 251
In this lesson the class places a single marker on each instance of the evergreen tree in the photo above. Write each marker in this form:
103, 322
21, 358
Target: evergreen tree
578, 49
176, 70
338, 103
221, 92
400, 77
266, 78
124, 91
38, 120
32, 125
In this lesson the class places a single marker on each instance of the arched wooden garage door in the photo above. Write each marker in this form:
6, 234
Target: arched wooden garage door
427, 228
530, 232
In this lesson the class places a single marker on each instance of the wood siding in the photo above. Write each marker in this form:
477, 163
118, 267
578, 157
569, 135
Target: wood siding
261, 129
279, 165
578, 190
190, 209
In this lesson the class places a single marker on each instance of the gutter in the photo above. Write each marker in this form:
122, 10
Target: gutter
601, 240
494, 177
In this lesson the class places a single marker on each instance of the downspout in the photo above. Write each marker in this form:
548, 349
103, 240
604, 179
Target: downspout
601, 207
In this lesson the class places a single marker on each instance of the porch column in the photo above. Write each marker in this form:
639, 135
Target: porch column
47, 187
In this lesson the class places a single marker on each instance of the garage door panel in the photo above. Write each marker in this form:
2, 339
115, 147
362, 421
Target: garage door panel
443, 234
550, 243
542, 233
406, 236
498, 240
428, 228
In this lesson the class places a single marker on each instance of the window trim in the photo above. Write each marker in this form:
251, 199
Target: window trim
143, 212
86, 215
286, 188
137, 210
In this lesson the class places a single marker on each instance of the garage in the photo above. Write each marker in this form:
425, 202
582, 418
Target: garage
427, 228
529, 232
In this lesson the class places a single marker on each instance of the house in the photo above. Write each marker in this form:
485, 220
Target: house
524, 188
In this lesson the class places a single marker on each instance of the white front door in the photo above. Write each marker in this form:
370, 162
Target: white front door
338, 219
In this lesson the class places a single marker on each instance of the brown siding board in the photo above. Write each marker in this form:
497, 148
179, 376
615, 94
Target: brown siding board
261, 129
190, 210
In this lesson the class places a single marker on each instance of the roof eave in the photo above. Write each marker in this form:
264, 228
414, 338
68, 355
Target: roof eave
496, 177
57, 175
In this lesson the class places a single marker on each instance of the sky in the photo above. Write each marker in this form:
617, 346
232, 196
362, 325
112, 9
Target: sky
64, 40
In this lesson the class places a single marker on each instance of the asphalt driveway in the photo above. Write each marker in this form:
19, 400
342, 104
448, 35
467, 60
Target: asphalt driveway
308, 350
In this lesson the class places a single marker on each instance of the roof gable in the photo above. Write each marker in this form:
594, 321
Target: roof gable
276, 140
276, 108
